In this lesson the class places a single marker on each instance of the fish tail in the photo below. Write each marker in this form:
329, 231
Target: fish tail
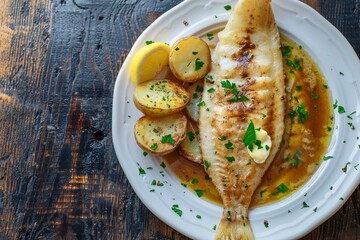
234, 230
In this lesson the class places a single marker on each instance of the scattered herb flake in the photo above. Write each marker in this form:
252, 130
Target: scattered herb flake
305, 205
141, 171
211, 90
266, 223
286, 51
230, 159
145, 154
198, 216
177, 49
298, 88
244, 98
201, 104
207, 164
153, 182
214, 227
341, 199
227, 7
199, 89
194, 181
199, 192
222, 138
198, 64
315, 209
191, 136
195, 53
176, 209
229, 145
210, 36
341, 109
325, 86
154, 147
149, 42
168, 139
341, 73
344, 169
195, 96
282, 188
325, 158
163, 165
335, 105
184, 185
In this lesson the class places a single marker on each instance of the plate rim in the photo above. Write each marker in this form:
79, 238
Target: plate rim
116, 105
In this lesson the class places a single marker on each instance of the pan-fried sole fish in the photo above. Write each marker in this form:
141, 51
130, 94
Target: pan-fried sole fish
244, 91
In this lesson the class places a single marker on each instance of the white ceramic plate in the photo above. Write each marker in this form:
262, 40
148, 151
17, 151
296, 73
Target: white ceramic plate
326, 191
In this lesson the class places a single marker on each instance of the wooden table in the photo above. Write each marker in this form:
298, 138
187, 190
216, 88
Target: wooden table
59, 176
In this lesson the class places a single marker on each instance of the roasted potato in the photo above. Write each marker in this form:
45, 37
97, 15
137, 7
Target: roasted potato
158, 98
190, 59
190, 147
192, 109
162, 135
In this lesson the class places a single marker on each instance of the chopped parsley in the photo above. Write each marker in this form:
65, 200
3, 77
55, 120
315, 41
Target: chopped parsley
198, 64
195, 53
201, 104
195, 96
298, 88
210, 36
177, 49
282, 188
227, 7
154, 147
191, 136
199, 89
184, 185
286, 51
229, 145
168, 139
325, 158
341, 73
149, 42
198, 216
194, 181
207, 164
209, 78
145, 154
199, 192
176, 209
222, 138
266, 223
250, 136
350, 115
230, 159
155, 130
153, 182
163, 165
305, 205
341, 109
211, 90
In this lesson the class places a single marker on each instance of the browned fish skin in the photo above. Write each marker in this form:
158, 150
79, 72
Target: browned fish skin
248, 55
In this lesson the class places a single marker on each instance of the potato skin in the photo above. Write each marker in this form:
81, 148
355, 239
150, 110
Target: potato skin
190, 147
149, 131
192, 108
183, 57
157, 98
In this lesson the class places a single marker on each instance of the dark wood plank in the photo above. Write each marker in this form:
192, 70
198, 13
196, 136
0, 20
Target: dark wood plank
59, 176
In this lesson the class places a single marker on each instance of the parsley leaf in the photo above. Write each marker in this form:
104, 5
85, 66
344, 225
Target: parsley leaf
191, 136
168, 139
250, 136
198, 64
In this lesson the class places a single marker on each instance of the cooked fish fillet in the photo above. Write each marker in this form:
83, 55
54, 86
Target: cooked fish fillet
247, 58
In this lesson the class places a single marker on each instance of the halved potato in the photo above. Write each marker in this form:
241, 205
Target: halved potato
162, 135
192, 109
158, 98
190, 147
190, 59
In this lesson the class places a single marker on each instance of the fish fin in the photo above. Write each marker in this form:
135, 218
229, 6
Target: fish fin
234, 230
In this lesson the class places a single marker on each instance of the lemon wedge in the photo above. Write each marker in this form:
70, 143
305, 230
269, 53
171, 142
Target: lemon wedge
150, 62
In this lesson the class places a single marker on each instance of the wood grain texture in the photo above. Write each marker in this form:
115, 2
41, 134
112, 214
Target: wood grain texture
59, 176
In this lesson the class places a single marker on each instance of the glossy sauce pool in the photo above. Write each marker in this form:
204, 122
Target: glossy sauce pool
308, 131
